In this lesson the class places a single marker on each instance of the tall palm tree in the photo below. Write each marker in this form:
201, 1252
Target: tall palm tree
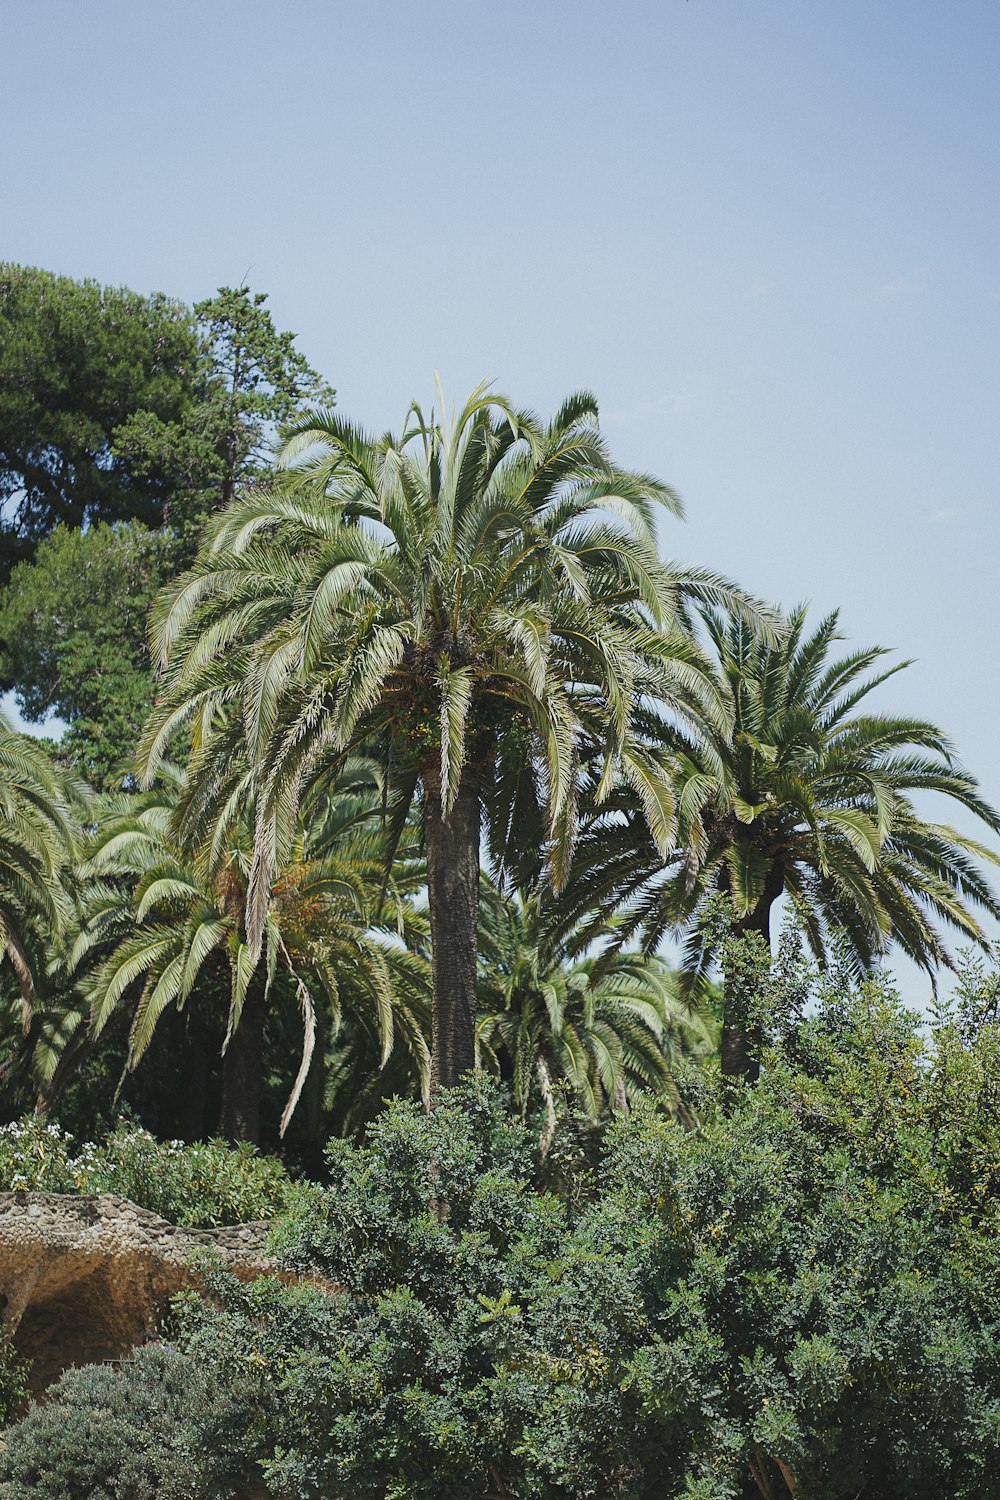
39, 828
609, 1026
171, 920
482, 602
810, 796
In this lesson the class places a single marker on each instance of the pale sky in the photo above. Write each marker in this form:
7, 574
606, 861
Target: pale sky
765, 232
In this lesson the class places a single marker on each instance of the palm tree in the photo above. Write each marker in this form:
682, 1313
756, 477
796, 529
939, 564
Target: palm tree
481, 604
38, 837
809, 798
173, 920
610, 1027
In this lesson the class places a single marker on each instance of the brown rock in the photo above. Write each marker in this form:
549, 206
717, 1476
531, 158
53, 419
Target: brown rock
84, 1279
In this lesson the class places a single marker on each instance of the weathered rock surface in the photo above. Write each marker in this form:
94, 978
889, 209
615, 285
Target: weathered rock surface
84, 1279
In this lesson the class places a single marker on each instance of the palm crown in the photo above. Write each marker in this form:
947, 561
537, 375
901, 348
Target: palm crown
812, 796
164, 920
421, 593
608, 1026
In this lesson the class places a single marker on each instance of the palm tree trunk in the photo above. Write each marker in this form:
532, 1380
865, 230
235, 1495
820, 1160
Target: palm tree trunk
740, 1037
242, 1070
197, 1061
452, 842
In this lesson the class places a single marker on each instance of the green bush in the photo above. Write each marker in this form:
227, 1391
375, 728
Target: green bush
808, 1285
125, 1433
800, 1296
199, 1185
36, 1156
13, 1380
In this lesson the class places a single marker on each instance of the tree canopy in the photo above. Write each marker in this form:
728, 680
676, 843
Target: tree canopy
77, 360
392, 761
481, 600
803, 789
124, 422
72, 639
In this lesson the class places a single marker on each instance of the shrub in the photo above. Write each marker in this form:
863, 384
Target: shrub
801, 1296
36, 1156
13, 1380
204, 1184
807, 1286
111, 1434
199, 1185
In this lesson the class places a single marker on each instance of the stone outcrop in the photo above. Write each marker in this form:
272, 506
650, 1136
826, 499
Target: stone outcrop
85, 1279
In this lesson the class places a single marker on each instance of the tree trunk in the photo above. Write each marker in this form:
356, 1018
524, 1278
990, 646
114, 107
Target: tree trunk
740, 1039
197, 1060
242, 1069
452, 844
760, 1468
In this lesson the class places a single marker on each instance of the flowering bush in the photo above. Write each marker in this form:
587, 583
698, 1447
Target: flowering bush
199, 1185
36, 1156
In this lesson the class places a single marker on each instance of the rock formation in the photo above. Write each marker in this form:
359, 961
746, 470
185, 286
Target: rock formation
85, 1279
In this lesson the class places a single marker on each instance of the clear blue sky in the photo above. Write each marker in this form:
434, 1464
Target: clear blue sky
765, 232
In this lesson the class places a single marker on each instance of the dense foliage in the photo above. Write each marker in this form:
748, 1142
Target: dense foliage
799, 1297
171, 918
72, 638
126, 1433
803, 1288
39, 834
118, 407
124, 421
13, 1380
77, 360
440, 751
201, 1185
607, 1028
